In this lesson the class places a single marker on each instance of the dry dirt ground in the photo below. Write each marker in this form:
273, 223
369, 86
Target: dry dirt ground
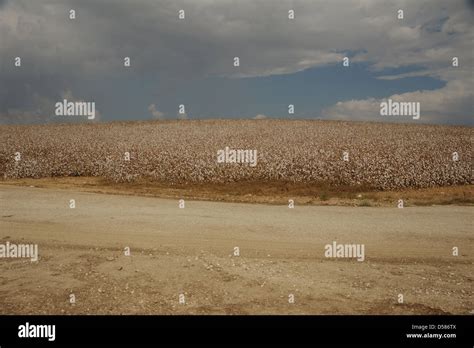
190, 251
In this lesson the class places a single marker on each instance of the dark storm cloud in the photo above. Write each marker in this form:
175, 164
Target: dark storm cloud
60, 54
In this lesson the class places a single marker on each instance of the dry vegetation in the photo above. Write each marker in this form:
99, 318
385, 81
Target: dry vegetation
381, 156
275, 193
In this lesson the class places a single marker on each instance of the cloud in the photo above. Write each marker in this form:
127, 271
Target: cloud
42, 109
67, 94
15, 116
454, 100
58, 52
262, 36
158, 115
39, 110
260, 117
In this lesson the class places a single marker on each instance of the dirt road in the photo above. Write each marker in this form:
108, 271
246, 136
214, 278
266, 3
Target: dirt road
190, 251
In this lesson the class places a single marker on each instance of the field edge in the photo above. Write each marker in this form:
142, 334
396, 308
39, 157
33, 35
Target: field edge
274, 193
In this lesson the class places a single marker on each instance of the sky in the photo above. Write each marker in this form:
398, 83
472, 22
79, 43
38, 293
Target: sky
283, 61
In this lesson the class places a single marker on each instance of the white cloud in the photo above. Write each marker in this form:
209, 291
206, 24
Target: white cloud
452, 101
158, 115
260, 117
67, 94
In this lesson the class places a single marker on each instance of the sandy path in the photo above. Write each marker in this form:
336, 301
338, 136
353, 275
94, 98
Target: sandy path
407, 251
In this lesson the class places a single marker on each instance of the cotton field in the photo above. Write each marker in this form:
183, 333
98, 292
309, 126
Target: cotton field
382, 156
